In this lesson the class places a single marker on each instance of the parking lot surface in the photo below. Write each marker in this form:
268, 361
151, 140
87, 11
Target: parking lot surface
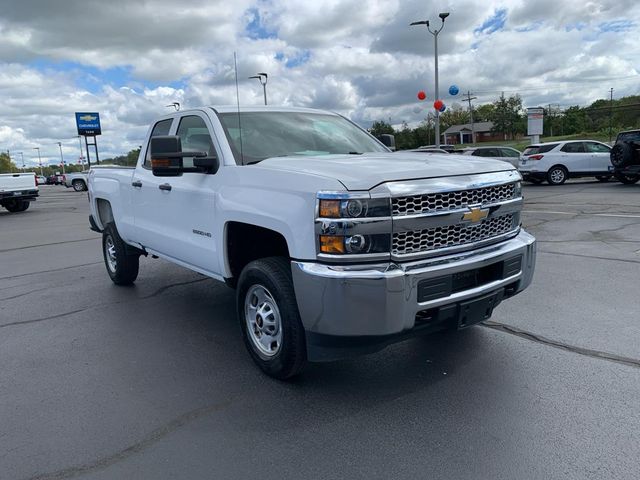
153, 381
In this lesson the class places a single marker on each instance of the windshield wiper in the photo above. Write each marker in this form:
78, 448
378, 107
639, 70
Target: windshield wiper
355, 153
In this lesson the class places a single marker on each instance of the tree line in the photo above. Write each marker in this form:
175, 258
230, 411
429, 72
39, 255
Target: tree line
7, 165
510, 120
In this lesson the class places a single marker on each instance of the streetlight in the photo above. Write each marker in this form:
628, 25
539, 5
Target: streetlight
435, 33
81, 157
39, 160
262, 78
61, 157
22, 158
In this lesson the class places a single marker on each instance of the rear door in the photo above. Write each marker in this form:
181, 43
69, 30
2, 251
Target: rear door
600, 156
510, 155
574, 156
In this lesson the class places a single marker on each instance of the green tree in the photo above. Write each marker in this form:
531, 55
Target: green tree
456, 115
380, 127
6, 165
484, 113
507, 117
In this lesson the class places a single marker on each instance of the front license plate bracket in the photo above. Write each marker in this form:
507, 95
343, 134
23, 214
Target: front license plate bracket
478, 310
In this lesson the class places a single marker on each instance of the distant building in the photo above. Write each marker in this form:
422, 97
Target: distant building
456, 134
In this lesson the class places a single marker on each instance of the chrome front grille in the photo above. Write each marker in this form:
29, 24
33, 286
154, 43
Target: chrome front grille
436, 202
429, 239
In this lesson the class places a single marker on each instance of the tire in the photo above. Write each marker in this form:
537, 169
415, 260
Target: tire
15, 206
557, 175
78, 185
265, 291
622, 154
122, 266
603, 178
627, 179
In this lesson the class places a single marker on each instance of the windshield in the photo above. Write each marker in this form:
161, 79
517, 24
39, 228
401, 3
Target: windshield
278, 134
629, 136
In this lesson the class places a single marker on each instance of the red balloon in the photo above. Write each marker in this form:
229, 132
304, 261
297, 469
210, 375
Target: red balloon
438, 104
421, 95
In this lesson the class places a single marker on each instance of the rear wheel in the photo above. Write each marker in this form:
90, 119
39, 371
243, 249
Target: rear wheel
269, 317
78, 185
15, 206
557, 175
627, 179
122, 266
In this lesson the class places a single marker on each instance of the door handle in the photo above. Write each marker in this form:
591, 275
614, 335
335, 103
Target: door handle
165, 186
137, 183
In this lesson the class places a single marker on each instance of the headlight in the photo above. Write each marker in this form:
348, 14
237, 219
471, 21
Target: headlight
355, 208
355, 244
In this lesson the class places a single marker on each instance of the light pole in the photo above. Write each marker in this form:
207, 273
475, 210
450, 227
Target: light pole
61, 157
39, 160
435, 33
22, 158
262, 78
81, 157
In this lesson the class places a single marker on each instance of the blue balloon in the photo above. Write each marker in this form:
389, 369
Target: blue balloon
453, 90
443, 108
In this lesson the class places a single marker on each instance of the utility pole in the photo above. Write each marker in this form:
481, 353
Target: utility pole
61, 157
610, 114
468, 99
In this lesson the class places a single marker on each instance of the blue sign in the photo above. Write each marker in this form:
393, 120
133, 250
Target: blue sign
88, 123
453, 90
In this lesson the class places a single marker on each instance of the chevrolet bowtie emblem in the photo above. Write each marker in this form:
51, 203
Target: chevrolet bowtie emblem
88, 118
475, 214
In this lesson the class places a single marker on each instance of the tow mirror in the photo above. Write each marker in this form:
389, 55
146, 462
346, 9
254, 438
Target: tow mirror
166, 156
388, 140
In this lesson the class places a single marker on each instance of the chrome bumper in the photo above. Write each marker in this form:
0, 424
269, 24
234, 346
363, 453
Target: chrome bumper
382, 300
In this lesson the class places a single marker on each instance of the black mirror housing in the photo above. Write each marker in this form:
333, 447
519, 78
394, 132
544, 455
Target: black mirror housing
207, 164
166, 156
388, 140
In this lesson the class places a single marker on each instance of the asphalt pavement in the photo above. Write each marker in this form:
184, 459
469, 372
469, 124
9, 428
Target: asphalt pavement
153, 381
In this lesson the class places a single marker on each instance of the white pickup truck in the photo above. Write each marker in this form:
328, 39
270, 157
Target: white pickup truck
334, 244
18, 190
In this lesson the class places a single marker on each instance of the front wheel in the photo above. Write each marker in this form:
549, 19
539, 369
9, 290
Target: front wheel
122, 267
269, 317
557, 175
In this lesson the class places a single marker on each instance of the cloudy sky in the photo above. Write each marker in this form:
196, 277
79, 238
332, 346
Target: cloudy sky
128, 59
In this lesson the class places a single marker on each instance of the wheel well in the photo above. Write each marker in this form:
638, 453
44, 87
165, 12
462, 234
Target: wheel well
246, 243
564, 167
78, 180
105, 215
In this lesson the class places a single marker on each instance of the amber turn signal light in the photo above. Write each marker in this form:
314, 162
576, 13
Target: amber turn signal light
331, 244
330, 208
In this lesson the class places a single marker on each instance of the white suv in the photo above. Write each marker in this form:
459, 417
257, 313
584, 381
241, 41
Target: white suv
556, 162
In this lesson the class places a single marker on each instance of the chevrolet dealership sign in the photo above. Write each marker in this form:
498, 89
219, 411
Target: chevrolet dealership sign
88, 123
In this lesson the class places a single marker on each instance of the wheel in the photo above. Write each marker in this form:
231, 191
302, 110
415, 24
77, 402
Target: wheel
622, 154
627, 179
269, 317
122, 267
557, 175
603, 178
15, 206
78, 185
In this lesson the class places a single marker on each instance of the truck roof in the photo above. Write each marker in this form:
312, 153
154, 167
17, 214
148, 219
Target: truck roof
261, 108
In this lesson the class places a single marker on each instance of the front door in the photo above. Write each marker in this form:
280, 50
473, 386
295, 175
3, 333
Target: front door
600, 157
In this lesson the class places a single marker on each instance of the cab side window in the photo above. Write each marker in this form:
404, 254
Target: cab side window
160, 128
596, 147
194, 136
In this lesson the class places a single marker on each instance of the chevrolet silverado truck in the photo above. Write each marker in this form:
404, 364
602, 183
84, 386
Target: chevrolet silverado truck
625, 157
18, 190
335, 245
77, 181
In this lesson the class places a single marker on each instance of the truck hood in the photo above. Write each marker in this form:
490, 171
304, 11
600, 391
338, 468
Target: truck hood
363, 172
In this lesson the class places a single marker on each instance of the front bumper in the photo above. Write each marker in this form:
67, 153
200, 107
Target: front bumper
360, 308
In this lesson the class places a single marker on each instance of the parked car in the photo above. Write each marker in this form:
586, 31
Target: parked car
427, 150
625, 157
77, 180
556, 162
41, 179
17, 191
331, 252
506, 154
55, 180
448, 148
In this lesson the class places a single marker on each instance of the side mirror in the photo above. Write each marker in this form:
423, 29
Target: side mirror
166, 156
388, 140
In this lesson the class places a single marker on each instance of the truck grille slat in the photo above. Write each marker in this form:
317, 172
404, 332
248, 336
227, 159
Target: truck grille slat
435, 202
450, 236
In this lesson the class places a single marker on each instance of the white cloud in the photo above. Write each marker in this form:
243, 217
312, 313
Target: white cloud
128, 60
